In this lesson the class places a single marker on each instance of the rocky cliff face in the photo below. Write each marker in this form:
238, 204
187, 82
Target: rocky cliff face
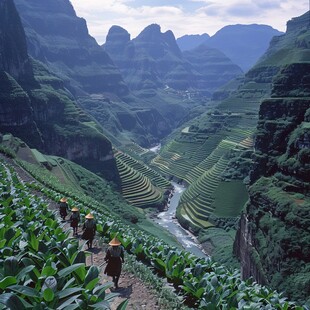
35, 106
13, 49
273, 239
57, 37
15, 67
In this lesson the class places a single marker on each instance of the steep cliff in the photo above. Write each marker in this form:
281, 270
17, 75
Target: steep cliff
13, 49
15, 67
273, 240
60, 39
35, 106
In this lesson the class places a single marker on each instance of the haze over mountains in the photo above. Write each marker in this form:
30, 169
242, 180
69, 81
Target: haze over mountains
243, 44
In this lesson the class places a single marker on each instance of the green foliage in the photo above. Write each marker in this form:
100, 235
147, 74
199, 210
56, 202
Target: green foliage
39, 267
213, 284
230, 198
219, 243
281, 222
7, 151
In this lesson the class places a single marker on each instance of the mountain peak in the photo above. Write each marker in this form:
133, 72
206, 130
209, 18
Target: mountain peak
299, 22
118, 33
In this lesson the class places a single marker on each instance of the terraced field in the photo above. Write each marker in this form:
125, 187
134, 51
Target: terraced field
141, 186
199, 154
135, 149
199, 160
196, 202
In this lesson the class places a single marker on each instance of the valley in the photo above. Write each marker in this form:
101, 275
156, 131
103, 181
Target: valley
197, 159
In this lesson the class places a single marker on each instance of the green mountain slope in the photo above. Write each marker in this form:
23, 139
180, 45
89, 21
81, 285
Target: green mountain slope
38, 108
277, 214
58, 38
212, 137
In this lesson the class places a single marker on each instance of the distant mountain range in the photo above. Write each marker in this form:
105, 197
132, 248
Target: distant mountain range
243, 44
153, 60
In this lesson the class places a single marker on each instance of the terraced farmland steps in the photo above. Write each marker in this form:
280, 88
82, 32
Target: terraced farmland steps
136, 187
197, 201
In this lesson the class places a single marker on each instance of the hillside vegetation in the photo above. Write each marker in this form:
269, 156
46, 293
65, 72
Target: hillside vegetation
45, 253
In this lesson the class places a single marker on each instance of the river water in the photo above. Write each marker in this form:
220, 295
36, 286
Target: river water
167, 220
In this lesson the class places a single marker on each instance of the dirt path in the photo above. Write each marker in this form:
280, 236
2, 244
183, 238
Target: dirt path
130, 287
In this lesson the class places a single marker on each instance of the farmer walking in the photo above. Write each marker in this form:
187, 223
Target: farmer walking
114, 258
75, 219
89, 230
63, 208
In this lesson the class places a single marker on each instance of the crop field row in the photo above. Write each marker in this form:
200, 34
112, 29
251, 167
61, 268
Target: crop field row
29, 229
209, 161
179, 158
172, 163
41, 266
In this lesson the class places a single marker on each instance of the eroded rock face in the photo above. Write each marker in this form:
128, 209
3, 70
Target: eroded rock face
16, 115
60, 39
13, 49
35, 106
273, 239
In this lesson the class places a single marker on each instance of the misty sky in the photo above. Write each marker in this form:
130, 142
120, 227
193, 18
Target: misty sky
184, 17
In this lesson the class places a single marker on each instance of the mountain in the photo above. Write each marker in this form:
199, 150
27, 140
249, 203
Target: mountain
191, 41
273, 239
13, 49
153, 60
60, 39
243, 44
36, 107
15, 68
214, 67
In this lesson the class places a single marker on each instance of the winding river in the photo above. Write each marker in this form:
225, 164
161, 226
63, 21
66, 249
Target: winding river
167, 220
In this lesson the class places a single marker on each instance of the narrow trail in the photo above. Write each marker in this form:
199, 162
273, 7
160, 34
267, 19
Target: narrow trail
139, 295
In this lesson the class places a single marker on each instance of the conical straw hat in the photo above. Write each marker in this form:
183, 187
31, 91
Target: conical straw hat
64, 199
74, 209
114, 241
89, 216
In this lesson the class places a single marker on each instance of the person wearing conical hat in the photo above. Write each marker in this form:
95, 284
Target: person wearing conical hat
89, 230
74, 220
63, 208
114, 258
